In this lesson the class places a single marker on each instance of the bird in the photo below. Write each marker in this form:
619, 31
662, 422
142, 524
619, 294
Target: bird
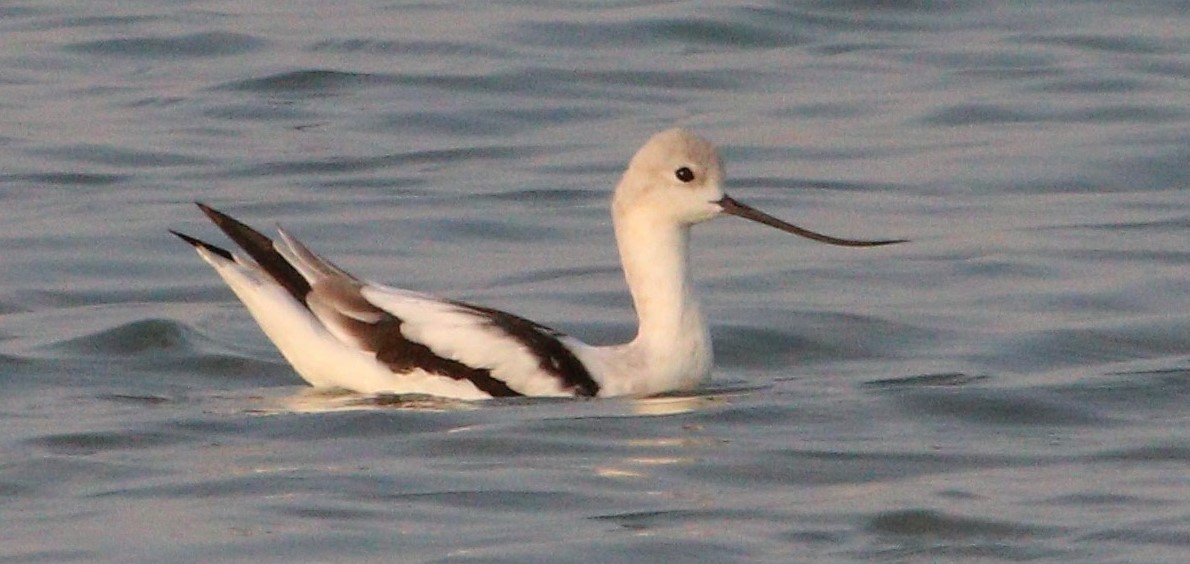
339, 331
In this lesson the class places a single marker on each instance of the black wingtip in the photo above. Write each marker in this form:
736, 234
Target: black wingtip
225, 221
199, 243
260, 248
255, 243
209, 210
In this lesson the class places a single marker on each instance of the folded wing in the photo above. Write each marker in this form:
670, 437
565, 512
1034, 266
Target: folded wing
414, 342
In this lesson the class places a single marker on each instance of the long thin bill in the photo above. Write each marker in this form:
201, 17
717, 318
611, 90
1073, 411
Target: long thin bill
732, 207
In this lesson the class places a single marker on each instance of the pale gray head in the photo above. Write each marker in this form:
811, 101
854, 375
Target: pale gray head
675, 175
678, 176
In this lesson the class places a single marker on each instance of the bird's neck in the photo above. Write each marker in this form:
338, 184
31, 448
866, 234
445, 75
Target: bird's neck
672, 336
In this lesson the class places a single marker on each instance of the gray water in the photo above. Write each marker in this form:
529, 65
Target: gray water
1012, 385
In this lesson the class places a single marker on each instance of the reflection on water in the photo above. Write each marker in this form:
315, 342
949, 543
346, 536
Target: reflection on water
310, 400
673, 405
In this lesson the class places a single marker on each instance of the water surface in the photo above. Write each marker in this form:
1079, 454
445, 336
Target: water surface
1010, 386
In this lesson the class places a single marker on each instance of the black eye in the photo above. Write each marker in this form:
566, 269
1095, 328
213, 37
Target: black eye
684, 174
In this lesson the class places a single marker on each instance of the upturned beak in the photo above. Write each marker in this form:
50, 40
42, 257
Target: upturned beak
732, 207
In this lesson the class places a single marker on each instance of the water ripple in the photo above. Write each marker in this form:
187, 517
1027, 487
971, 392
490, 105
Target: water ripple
978, 114
1125, 44
406, 47
118, 157
340, 165
999, 407
97, 442
148, 336
696, 33
924, 524
211, 44
308, 82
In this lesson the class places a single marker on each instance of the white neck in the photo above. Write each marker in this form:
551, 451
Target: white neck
672, 341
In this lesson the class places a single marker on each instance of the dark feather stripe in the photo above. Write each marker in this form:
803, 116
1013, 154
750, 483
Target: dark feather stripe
552, 356
401, 354
385, 339
260, 248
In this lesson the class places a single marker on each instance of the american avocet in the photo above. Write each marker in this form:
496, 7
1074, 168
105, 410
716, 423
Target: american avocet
339, 331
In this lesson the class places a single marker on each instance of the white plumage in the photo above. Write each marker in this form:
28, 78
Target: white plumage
339, 331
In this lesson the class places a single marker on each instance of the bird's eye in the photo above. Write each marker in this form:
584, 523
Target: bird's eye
684, 174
